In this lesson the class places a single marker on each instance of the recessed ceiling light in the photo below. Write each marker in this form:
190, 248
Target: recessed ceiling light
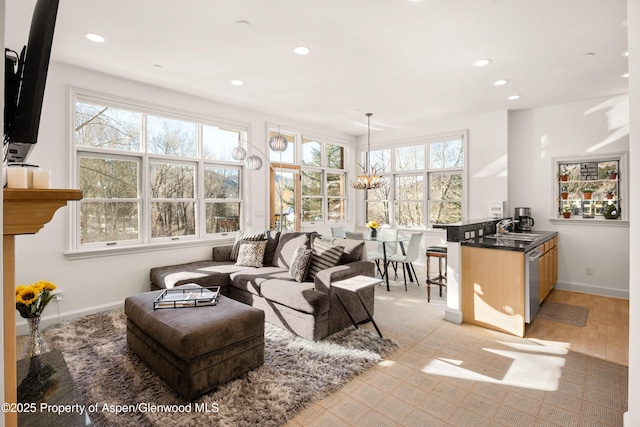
236, 82
501, 82
301, 50
513, 97
625, 75
95, 37
157, 66
625, 53
481, 62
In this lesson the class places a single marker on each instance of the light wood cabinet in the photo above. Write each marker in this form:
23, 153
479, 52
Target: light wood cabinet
548, 267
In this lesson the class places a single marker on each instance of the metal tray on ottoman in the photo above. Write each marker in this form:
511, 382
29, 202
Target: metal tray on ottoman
196, 349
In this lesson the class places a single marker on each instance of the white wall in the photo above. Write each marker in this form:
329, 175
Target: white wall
632, 418
589, 127
96, 283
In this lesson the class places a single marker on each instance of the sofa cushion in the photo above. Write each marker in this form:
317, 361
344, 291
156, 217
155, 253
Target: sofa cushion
325, 255
298, 296
287, 244
244, 235
272, 243
251, 254
250, 279
201, 272
300, 263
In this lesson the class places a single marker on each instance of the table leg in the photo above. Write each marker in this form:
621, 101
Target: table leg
386, 264
369, 314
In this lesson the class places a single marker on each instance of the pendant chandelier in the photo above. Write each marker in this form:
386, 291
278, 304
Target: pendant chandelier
368, 179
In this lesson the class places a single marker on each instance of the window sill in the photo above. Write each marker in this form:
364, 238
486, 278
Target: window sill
578, 220
133, 249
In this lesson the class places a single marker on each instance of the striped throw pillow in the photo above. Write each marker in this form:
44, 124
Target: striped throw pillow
324, 256
244, 235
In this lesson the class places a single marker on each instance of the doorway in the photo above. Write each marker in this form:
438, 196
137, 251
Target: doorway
285, 197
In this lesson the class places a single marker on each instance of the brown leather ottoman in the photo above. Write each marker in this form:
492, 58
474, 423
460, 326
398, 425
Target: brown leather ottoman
199, 348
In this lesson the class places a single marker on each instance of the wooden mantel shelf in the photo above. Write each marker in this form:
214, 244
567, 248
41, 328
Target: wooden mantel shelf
26, 211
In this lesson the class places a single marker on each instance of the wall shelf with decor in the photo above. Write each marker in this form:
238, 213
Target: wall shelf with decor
591, 189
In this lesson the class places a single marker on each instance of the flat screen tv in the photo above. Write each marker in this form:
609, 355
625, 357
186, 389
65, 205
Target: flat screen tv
25, 78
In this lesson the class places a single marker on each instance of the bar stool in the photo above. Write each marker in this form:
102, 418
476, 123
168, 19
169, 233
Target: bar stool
439, 252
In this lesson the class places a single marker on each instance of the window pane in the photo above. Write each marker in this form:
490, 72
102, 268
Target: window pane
223, 217
445, 212
170, 181
378, 212
288, 156
108, 221
335, 156
169, 219
410, 158
221, 183
409, 187
311, 183
409, 214
445, 186
218, 143
107, 127
446, 154
171, 137
382, 193
336, 209
311, 209
108, 178
380, 160
335, 184
311, 152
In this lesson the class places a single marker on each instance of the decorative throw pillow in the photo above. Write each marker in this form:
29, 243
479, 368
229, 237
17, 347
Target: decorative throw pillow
324, 256
244, 235
300, 263
251, 253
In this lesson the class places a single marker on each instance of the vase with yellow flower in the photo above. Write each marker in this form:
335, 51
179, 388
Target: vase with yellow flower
373, 229
31, 300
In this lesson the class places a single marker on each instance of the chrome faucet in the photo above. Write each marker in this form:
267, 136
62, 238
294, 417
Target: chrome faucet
501, 227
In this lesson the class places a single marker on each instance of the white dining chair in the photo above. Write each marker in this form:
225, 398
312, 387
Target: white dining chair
412, 252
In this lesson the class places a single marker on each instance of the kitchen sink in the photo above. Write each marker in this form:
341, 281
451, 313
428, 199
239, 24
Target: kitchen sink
515, 236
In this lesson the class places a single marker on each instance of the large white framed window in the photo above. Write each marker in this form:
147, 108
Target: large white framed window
424, 183
150, 175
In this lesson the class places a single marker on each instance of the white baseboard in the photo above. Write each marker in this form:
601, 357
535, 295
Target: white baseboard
593, 290
22, 327
453, 315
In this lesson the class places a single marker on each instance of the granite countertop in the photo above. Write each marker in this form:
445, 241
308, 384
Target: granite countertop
510, 244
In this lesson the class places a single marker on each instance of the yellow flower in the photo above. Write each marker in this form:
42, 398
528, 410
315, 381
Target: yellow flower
372, 224
47, 286
28, 295
19, 289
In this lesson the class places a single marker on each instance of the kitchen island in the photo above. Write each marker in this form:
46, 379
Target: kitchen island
505, 278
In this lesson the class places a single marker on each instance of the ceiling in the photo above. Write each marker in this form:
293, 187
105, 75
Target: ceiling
407, 62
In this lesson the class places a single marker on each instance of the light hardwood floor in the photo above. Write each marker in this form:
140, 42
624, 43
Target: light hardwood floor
605, 336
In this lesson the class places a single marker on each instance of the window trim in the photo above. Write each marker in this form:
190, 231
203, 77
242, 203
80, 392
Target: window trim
76, 250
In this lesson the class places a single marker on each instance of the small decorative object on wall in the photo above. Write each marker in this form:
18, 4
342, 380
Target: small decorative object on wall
31, 300
373, 229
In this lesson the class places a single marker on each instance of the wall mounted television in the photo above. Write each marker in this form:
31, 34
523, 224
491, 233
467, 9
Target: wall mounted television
25, 78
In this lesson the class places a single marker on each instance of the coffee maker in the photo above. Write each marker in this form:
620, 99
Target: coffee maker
525, 222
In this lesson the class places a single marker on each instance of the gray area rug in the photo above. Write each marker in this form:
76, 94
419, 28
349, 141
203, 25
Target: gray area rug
563, 313
296, 373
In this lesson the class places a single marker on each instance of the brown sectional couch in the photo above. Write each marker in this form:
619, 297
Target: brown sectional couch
308, 309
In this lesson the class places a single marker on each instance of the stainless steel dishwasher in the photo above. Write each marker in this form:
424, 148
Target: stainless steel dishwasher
531, 284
